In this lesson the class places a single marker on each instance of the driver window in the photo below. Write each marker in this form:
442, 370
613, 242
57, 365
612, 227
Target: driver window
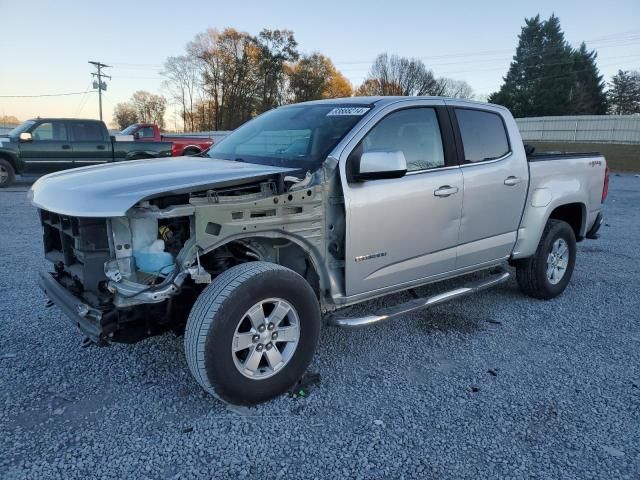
50, 131
415, 132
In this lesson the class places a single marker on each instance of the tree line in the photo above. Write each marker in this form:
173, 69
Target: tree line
226, 77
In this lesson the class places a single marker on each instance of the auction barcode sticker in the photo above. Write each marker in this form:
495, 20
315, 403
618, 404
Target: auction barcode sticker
348, 111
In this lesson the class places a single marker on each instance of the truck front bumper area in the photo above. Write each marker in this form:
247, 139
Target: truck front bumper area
97, 325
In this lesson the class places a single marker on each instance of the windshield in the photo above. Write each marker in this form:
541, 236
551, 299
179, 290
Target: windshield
299, 136
130, 130
23, 127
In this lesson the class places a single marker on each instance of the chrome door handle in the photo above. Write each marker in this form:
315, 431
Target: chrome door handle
445, 191
511, 181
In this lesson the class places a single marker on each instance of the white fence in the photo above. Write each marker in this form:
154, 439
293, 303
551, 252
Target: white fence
582, 129
216, 136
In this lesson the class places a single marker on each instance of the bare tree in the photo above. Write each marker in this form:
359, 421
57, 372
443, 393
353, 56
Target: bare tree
455, 88
182, 76
394, 75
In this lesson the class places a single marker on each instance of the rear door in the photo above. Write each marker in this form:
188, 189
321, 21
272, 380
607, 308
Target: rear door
496, 178
91, 143
50, 149
403, 230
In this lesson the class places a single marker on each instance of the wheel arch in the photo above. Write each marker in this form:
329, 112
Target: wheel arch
282, 249
11, 159
575, 214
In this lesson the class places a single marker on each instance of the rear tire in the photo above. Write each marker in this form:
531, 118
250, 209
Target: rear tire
234, 355
7, 173
547, 273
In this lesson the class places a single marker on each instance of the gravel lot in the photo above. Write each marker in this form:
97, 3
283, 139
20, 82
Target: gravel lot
493, 386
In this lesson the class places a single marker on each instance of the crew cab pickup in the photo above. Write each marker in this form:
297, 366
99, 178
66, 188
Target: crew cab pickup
149, 132
305, 210
45, 145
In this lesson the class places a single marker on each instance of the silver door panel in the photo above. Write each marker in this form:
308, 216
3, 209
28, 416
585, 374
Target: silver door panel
399, 231
486, 249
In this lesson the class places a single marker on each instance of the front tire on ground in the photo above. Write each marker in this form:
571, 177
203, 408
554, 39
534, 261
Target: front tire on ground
252, 332
7, 173
546, 274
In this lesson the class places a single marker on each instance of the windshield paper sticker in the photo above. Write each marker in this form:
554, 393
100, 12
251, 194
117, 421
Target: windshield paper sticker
348, 111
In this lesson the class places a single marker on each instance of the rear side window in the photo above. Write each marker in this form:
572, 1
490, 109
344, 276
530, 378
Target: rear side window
483, 135
87, 132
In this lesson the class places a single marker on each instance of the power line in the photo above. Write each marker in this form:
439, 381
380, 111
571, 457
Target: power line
45, 95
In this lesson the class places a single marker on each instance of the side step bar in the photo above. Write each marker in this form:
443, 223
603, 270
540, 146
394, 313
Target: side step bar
420, 303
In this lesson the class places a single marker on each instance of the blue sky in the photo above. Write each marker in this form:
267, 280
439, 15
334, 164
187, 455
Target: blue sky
45, 45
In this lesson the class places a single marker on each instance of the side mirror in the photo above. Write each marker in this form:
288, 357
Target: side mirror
26, 137
379, 164
136, 135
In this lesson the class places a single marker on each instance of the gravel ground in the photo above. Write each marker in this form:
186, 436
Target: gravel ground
492, 386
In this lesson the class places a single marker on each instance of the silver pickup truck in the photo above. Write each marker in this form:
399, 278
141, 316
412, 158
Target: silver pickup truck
307, 209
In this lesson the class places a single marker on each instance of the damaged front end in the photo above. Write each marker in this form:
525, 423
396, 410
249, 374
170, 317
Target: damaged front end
97, 282
128, 277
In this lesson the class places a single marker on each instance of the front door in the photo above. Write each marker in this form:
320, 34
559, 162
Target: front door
49, 150
403, 230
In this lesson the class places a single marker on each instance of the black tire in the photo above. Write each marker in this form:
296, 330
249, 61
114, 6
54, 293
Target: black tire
531, 273
216, 314
7, 173
190, 151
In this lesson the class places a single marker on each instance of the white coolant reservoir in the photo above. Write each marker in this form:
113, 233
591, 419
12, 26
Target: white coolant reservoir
148, 250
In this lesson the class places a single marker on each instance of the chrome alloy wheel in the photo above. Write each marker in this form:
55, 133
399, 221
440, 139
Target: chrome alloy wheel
557, 261
266, 338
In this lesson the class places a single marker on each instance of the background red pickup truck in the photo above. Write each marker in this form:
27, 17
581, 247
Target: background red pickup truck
149, 132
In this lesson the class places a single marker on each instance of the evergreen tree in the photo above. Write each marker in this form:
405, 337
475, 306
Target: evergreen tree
557, 77
519, 89
588, 96
624, 93
548, 77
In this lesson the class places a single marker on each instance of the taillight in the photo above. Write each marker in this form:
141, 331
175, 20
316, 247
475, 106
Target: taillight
605, 186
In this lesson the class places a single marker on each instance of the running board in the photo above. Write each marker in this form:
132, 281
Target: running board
421, 303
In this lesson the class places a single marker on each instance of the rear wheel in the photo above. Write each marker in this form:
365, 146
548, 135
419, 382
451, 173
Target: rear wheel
252, 332
7, 173
547, 273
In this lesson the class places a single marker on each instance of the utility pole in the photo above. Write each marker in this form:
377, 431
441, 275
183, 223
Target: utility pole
99, 84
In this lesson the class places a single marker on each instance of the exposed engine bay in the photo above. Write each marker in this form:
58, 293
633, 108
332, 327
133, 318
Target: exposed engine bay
140, 273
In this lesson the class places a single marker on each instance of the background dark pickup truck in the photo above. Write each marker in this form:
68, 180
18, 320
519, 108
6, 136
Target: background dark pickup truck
46, 145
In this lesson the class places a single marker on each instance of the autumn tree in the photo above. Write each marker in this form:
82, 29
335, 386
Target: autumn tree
276, 48
315, 77
149, 108
124, 114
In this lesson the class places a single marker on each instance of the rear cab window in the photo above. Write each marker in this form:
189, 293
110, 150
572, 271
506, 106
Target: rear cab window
484, 135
